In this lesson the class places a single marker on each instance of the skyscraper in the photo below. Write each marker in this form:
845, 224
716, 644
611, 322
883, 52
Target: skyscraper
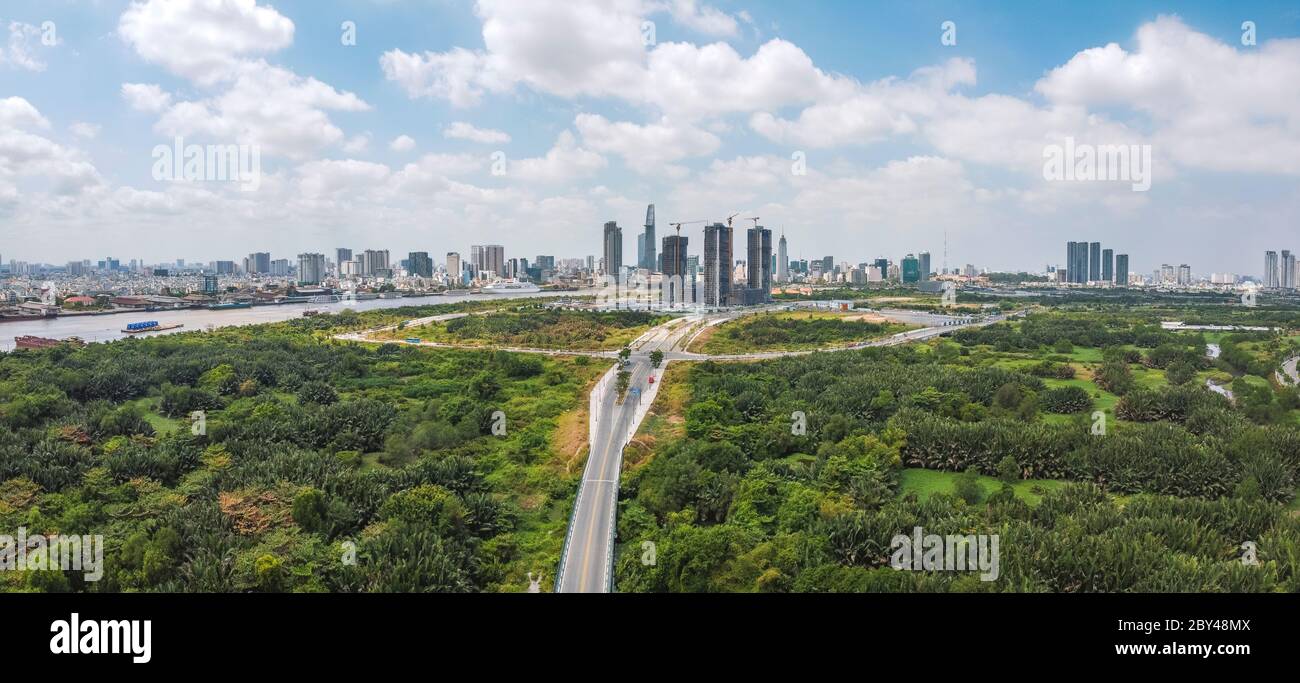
1184, 274
1287, 278
341, 255
374, 263
1121, 270
1272, 278
1094, 262
311, 268
1076, 262
421, 264
783, 262
613, 249
453, 270
924, 259
257, 262
675, 284
911, 268
759, 262
489, 260
647, 258
717, 265
1108, 265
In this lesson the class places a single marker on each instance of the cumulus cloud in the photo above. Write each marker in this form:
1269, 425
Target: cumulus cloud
147, 97
645, 148
565, 161
402, 143
215, 44
203, 40
465, 131
21, 51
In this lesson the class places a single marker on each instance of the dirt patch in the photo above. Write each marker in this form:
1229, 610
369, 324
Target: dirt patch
699, 342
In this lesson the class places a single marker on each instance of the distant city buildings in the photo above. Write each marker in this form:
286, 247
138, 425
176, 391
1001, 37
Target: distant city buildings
311, 269
612, 261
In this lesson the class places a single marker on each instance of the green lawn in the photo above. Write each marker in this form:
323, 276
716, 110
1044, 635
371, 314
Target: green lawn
926, 483
161, 423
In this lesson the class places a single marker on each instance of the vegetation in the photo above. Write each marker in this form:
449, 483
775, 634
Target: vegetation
532, 326
995, 436
792, 331
309, 453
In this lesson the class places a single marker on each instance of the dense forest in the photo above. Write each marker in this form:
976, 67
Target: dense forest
316, 466
1162, 498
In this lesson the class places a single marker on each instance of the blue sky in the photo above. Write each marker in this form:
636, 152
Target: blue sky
903, 138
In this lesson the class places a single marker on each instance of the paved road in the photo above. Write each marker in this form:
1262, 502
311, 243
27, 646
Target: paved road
586, 565
587, 562
1289, 367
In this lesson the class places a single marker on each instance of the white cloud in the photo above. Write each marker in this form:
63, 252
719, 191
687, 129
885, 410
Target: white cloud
16, 112
703, 18
645, 148
85, 130
1213, 105
402, 143
203, 40
27, 156
357, 143
465, 131
267, 106
565, 161
327, 177
21, 37
144, 97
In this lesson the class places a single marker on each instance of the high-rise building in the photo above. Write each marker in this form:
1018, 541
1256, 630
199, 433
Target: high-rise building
1286, 280
882, 264
1184, 276
646, 257
676, 286
453, 270
341, 255
257, 263
1121, 270
421, 264
489, 260
280, 267
1094, 261
782, 261
1272, 278
717, 265
210, 286
613, 249
1108, 265
374, 263
924, 260
911, 268
1077, 269
224, 267
311, 269
759, 262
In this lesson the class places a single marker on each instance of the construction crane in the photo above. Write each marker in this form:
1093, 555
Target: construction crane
753, 218
731, 217
679, 225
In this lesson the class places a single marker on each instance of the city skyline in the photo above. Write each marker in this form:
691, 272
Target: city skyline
868, 147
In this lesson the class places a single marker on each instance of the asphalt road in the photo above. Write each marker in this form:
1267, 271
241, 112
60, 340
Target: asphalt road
587, 562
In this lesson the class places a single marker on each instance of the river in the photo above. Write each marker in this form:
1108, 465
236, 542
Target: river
102, 328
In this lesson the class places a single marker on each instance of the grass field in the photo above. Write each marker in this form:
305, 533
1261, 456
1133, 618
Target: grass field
161, 423
925, 483
794, 331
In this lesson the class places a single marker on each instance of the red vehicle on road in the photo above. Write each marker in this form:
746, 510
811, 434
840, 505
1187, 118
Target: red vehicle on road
652, 379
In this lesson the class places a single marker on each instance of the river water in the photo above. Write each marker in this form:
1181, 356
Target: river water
101, 328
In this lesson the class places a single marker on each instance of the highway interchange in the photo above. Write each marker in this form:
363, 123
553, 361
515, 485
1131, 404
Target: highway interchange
586, 563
